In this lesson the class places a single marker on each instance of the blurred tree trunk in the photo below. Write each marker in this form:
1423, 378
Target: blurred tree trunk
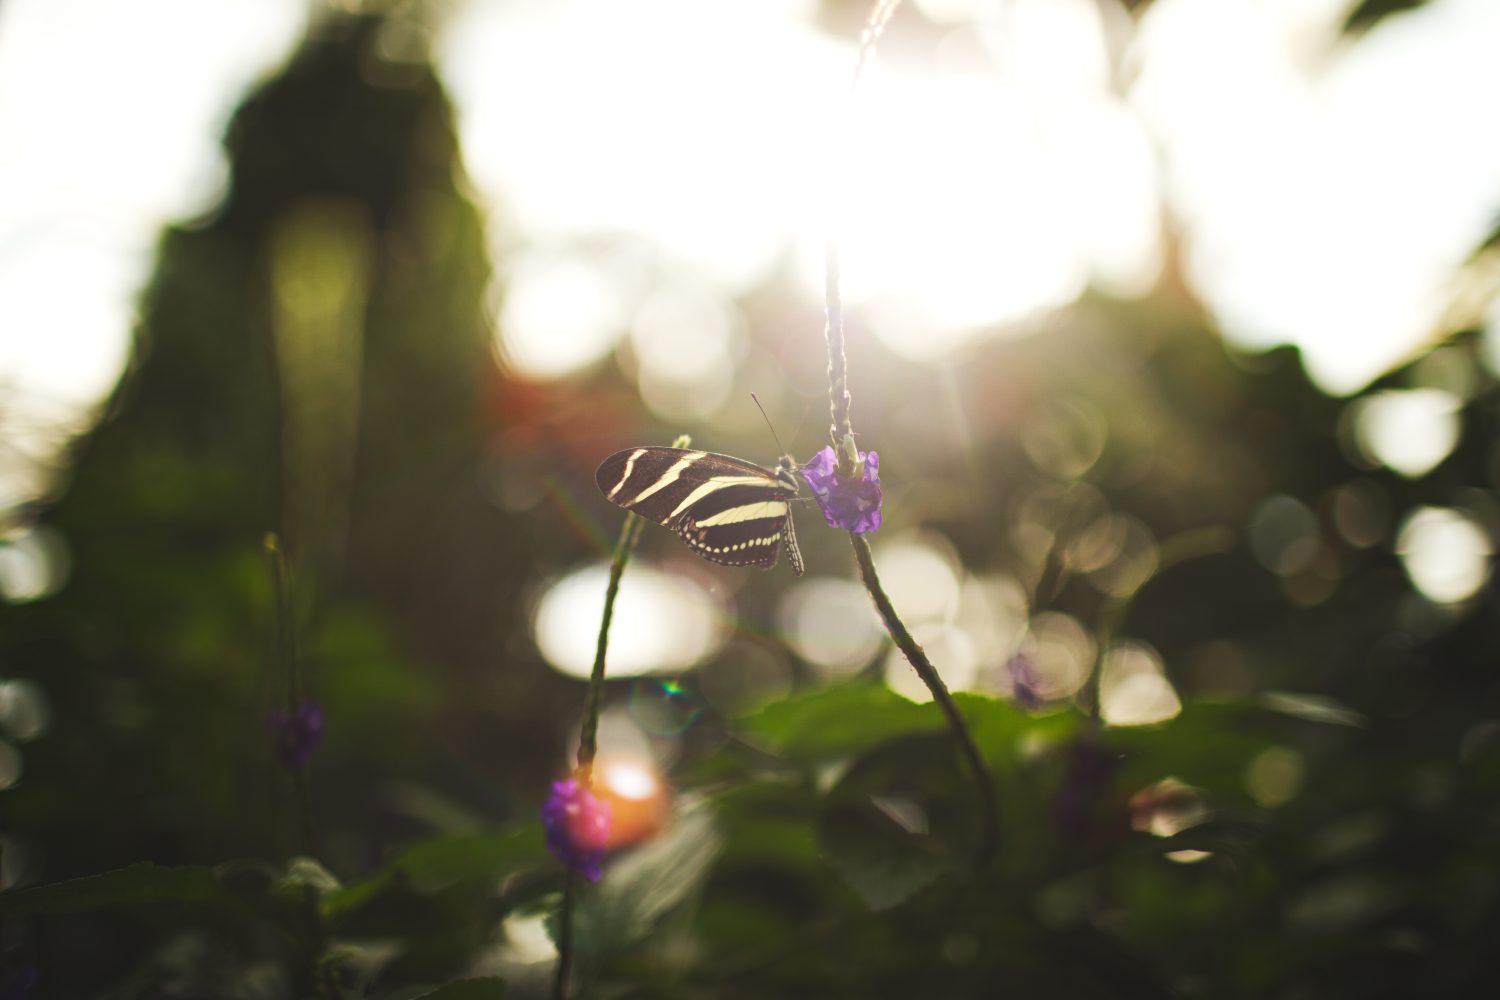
309, 359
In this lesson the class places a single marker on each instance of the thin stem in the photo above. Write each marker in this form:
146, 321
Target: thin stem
842, 432
838, 363
588, 734
990, 809
287, 659
565, 936
286, 632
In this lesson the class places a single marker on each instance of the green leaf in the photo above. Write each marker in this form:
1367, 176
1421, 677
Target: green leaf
142, 883
884, 862
488, 988
1207, 746
837, 720
445, 860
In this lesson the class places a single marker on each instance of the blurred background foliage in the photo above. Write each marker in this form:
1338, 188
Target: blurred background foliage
1228, 648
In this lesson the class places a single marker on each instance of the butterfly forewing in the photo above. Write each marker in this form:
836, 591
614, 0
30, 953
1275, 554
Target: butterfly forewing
727, 510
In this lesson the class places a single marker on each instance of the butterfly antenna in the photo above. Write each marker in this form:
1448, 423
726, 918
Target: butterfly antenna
779, 447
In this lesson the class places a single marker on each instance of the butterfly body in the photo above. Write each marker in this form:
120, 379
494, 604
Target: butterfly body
727, 510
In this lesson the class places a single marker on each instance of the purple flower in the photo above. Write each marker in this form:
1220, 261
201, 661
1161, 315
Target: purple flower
1025, 682
577, 827
851, 504
296, 734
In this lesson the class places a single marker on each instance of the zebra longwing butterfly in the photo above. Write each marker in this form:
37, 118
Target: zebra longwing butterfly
728, 510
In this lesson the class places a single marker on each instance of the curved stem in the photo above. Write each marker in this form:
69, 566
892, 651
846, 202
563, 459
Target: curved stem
588, 734
989, 805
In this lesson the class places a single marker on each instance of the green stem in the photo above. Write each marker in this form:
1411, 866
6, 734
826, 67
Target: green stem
588, 735
565, 936
989, 806
287, 659
286, 633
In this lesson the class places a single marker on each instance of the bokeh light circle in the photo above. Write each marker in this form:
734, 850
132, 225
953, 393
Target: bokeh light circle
1133, 687
1445, 552
830, 623
662, 624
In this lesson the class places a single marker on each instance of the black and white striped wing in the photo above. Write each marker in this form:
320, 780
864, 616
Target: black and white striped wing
728, 510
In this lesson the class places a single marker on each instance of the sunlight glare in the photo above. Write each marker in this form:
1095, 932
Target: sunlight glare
103, 167
1330, 189
829, 622
687, 339
34, 563
1409, 431
1445, 552
662, 623
628, 779
560, 313
921, 574
657, 117
1133, 687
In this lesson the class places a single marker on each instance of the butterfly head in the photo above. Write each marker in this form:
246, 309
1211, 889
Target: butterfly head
786, 472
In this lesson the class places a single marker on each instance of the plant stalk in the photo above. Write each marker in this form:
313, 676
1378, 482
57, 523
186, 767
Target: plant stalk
989, 805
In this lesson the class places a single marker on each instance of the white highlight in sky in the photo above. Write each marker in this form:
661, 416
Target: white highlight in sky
1330, 189
720, 134
111, 114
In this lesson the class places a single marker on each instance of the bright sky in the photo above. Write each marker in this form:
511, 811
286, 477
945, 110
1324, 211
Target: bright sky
110, 115
646, 163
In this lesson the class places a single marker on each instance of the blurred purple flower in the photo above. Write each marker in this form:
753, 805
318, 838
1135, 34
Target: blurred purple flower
296, 734
1025, 682
577, 827
851, 504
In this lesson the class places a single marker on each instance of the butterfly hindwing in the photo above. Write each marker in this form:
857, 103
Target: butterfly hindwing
727, 510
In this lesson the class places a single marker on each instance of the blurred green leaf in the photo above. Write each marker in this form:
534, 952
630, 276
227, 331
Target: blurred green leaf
444, 860
881, 860
143, 883
836, 720
1210, 743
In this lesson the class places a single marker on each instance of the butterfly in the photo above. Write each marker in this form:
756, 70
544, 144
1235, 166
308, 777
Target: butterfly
728, 510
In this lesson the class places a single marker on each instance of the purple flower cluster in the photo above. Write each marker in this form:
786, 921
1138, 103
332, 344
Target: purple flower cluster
851, 504
576, 823
297, 733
